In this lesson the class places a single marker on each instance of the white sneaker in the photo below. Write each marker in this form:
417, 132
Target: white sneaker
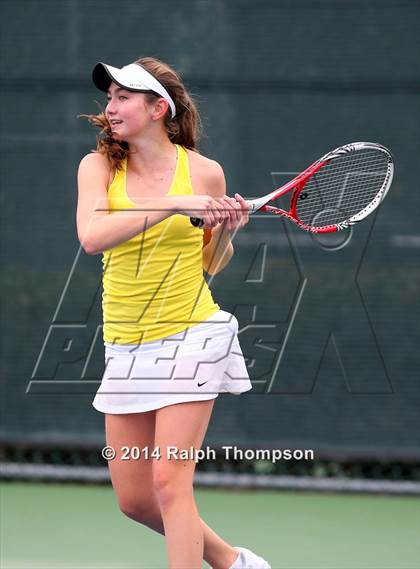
248, 560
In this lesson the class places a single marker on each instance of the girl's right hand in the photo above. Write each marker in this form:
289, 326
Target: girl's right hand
211, 210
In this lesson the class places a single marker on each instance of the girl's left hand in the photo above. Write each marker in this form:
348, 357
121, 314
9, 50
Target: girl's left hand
238, 211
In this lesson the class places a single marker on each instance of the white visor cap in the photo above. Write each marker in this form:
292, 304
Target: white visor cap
132, 77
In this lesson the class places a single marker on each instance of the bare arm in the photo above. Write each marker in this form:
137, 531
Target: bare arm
219, 250
97, 229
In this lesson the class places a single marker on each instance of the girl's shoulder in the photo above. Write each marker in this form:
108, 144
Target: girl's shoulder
207, 176
99, 164
204, 168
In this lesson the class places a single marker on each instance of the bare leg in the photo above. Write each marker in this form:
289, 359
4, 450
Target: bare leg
133, 484
182, 426
183, 532
217, 553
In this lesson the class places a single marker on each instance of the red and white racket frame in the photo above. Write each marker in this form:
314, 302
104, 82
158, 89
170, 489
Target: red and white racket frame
298, 183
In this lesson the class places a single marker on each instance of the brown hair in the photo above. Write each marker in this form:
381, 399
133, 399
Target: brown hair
183, 129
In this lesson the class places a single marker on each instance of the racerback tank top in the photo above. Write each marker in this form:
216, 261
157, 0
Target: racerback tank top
153, 284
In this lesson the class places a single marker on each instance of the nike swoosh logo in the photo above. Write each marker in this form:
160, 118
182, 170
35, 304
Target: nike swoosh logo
204, 382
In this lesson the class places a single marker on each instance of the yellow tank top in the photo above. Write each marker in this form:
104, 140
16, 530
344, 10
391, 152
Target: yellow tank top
153, 284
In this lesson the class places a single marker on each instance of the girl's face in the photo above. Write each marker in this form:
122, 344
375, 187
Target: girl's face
127, 112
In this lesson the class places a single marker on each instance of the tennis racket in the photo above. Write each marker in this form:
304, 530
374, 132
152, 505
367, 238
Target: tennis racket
339, 189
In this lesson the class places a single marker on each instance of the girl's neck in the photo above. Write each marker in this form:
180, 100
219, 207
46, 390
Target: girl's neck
151, 154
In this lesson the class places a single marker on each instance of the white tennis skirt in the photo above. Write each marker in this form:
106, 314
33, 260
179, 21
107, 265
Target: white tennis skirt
194, 365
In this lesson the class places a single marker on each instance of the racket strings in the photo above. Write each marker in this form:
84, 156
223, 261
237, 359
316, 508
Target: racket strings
342, 188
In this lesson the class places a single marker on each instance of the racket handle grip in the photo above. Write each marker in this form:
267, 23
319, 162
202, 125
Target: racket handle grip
196, 221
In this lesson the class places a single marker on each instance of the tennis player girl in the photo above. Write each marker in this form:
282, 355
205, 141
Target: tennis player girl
170, 349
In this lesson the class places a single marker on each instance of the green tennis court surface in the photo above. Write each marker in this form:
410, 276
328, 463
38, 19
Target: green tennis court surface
73, 526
